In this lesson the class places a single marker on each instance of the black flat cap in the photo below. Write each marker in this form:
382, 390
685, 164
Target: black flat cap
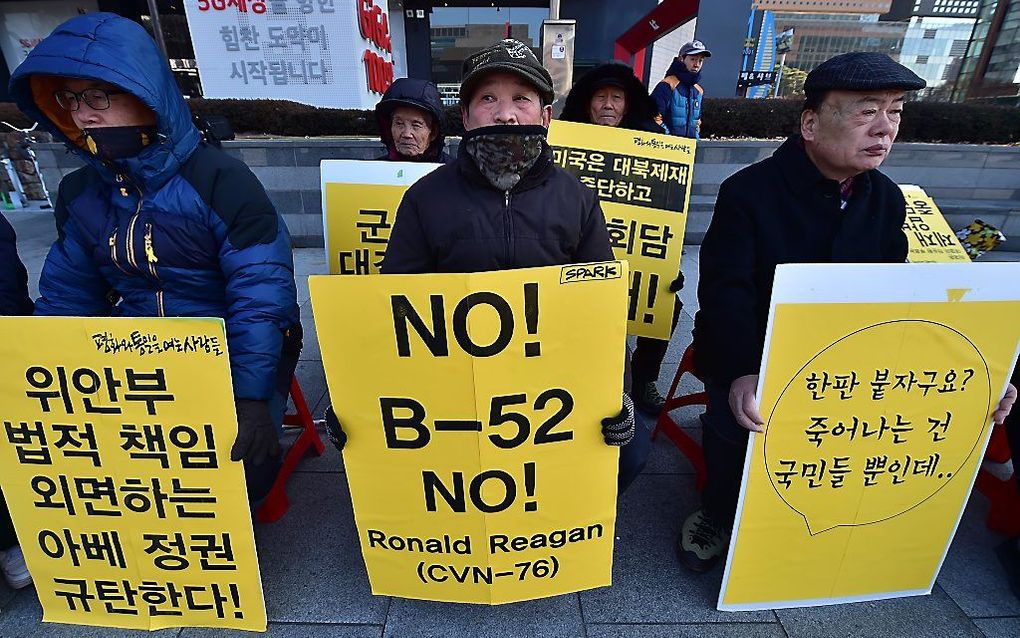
861, 71
511, 56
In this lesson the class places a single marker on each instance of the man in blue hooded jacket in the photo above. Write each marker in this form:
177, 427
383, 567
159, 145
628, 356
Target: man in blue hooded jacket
159, 223
679, 95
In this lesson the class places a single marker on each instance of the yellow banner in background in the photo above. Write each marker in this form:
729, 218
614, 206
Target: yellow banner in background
360, 200
361, 218
475, 457
929, 236
643, 181
117, 472
876, 421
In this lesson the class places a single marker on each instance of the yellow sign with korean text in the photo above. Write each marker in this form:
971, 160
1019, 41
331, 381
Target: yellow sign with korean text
116, 454
876, 423
929, 236
360, 201
475, 456
643, 181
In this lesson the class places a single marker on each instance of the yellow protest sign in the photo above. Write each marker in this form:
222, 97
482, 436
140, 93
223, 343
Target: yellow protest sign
643, 181
876, 422
475, 457
116, 456
929, 236
360, 202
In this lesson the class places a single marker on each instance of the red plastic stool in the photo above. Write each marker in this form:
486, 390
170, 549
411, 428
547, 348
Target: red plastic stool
308, 442
1004, 515
666, 425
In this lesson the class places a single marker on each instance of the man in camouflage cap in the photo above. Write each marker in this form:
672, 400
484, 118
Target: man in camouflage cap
504, 204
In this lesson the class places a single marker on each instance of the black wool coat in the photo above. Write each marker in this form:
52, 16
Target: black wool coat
454, 221
14, 299
781, 210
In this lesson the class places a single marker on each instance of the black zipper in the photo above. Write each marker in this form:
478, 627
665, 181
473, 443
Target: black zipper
151, 259
113, 251
150, 253
691, 91
509, 227
129, 242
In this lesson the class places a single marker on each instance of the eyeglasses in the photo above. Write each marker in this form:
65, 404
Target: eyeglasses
98, 99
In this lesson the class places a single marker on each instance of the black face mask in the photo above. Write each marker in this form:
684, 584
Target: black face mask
117, 142
688, 78
504, 153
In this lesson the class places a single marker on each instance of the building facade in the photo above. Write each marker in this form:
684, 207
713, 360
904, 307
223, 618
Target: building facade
991, 68
820, 36
259, 47
906, 9
825, 6
936, 41
934, 48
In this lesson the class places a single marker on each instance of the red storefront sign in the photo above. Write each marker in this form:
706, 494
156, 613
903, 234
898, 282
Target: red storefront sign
374, 25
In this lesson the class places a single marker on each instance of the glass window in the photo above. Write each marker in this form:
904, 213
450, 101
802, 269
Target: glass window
457, 32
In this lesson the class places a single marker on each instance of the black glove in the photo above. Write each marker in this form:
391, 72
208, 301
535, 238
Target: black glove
336, 432
257, 439
678, 283
619, 430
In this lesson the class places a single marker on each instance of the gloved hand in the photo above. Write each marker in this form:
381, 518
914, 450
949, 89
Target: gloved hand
257, 438
336, 432
619, 430
678, 283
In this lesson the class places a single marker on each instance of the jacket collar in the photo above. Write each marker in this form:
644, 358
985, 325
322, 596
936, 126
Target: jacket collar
802, 175
679, 70
535, 175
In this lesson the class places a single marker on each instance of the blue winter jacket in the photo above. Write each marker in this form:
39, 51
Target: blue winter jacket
179, 230
679, 100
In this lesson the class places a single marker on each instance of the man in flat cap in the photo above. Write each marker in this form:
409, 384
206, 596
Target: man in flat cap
819, 199
504, 204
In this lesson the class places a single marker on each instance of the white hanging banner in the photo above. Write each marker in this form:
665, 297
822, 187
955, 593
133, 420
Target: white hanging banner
328, 53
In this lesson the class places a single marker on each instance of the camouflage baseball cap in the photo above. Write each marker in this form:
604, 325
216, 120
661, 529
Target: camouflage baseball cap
510, 56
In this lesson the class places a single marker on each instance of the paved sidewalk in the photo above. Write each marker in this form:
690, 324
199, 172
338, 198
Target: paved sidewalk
316, 587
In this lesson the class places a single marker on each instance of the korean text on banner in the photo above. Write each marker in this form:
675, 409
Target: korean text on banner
475, 458
643, 181
929, 236
116, 454
360, 201
327, 53
876, 422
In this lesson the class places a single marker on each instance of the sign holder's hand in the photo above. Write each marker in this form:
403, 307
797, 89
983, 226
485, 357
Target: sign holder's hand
678, 283
337, 436
619, 430
257, 439
1005, 405
743, 404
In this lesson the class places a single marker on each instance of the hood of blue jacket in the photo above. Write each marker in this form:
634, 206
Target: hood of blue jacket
110, 48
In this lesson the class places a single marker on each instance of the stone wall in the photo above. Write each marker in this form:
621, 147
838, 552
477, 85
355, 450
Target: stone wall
967, 181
